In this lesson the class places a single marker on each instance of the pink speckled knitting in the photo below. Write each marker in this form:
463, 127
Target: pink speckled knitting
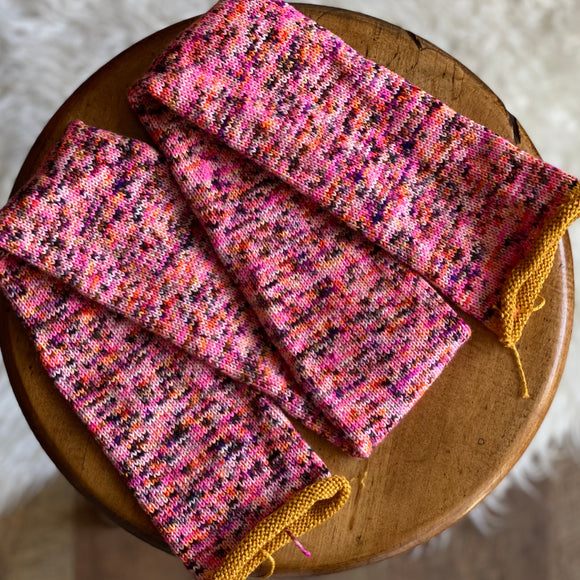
104, 215
463, 207
216, 465
363, 335
333, 193
208, 459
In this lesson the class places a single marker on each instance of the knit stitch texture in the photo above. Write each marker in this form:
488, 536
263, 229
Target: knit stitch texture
363, 334
445, 195
213, 462
207, 458
104, 215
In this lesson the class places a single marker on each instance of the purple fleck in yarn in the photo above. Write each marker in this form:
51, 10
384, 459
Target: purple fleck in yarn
206, 457
460, 205
363, 334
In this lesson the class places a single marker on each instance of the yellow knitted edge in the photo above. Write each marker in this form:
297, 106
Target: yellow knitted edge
309, 508
523, 286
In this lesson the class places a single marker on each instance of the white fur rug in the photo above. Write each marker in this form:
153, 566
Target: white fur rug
527, 52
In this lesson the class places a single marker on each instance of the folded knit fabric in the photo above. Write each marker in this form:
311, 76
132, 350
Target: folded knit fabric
104, 215
462, 206
218, 468
363, 334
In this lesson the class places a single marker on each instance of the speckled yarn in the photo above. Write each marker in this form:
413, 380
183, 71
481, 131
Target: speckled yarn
215, 464
363, 334
463, 207
207, 458
104, 215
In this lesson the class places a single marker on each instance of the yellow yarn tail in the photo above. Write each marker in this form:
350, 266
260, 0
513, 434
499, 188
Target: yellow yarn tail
270, 558
526, 393
541, 304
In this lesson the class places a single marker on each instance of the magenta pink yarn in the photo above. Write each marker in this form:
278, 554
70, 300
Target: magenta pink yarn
443, 194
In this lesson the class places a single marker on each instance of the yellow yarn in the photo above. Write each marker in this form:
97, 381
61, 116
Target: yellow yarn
522, 289
541, 304
523, 286
272, 564
363, 477
526, 394
309, 508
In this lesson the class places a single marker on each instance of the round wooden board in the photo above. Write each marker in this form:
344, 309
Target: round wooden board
456, 444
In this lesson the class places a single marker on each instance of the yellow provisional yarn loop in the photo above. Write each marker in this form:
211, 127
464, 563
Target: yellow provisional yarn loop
308, 508
541, 304
272, 564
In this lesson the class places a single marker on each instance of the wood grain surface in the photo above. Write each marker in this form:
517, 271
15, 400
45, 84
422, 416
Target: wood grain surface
458, 442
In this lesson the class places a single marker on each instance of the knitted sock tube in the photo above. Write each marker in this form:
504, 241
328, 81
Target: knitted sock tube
218, 468
362, 333
104, 215
475, 215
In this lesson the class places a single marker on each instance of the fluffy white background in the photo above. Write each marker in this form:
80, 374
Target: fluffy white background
528, 52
